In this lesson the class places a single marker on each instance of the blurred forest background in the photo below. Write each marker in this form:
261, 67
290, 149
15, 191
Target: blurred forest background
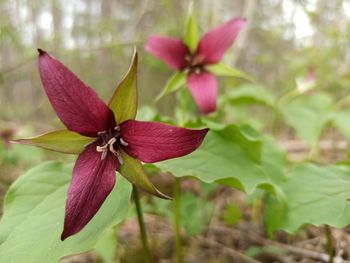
95, 39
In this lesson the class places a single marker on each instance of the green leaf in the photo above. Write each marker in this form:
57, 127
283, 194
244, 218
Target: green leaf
341, 120
175, 82
196, 213
221, 69
232, 214
133, 171
251, 94
227, 156
316, 195
63, 141
32, 223
124, 100
191, 37
308, 115
106, 246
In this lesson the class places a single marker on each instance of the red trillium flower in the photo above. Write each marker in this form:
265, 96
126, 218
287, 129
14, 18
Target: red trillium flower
210, 50
106, 137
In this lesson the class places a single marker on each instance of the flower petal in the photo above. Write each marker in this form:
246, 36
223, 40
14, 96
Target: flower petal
153, 141
76, 104
124, 100
133, 171
171, 50
63, 141
204, 90
215, 43
93, 180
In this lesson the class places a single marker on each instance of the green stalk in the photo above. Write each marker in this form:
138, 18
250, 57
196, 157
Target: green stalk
177, 220
148, 255
330, 246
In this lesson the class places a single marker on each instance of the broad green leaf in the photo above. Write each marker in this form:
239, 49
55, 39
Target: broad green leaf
274, 160
63, 141
316, 195
124, 100
196, 212
191, 37
106, 246
33, 216
308, 115
251, 94
175, 82
341, 120
226, 156
221, 69
133, 171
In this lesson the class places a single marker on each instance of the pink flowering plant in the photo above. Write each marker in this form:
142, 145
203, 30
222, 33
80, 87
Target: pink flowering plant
105, 137
197, 60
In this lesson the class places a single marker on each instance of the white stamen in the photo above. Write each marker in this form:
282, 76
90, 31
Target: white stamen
119, 156
124, 143
117, 128
111, 148
112, 141
103, 155
101, 132
101, 148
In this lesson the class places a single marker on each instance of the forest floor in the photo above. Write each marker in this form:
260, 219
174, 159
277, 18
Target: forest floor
244, 242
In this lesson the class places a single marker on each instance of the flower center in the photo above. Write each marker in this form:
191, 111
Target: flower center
195, 63
111, 141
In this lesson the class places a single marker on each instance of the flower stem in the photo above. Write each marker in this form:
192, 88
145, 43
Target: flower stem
330, 246
148, 255
177, 220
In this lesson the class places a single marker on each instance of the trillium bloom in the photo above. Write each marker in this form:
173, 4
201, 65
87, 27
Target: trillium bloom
308, 82
210, 50
106, 137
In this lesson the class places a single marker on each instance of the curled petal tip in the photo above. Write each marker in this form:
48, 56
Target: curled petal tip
41, 52
63, 236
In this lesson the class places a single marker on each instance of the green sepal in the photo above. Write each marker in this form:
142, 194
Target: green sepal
221, 69
124, 100
191, 37
133, 171
175, 82
63, 141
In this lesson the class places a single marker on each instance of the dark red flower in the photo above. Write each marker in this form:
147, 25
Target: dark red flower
210, 50
106, 137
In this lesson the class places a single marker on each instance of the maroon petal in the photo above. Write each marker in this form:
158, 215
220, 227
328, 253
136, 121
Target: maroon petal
75, 103
93, 180
215, 43
203, 87
171, 50
153, 141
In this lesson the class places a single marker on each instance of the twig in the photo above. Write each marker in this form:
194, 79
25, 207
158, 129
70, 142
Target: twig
292, 249
233, 253
299, 146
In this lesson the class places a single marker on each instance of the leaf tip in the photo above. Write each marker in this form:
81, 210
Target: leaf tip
19, 141
161, 195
